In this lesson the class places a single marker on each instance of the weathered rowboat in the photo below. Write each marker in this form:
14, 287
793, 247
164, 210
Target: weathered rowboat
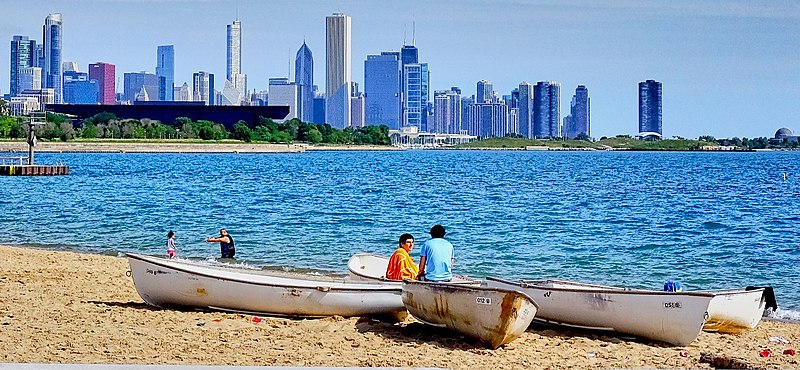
166, 283
369, 267
495, 316
674, 318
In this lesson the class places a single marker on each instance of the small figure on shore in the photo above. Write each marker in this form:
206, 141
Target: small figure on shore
436, 259
171, 244
225, 241
401, 265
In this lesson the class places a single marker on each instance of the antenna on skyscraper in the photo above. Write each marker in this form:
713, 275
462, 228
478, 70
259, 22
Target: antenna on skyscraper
414, 33
289, 62
237, 10
404, 34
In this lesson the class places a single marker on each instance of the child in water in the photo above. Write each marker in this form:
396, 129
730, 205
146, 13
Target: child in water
171, 244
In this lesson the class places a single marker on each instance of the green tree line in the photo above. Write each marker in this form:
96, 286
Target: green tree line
108, 126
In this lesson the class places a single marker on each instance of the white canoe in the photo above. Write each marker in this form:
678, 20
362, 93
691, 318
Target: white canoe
164, 283
495, 316
734, 311
369, 267
675, 318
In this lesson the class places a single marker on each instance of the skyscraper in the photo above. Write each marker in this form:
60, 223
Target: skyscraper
338, 61
579, 114
30, 78
650, 106
304, 79
23, 55
447, 112
382, 87
283, 93
524, 121
415, 93
488, 119
203, 87
105, 75
484, 94
51, 70
409, 54
78, 89
165, 71
233, 71
547, 109
135, 82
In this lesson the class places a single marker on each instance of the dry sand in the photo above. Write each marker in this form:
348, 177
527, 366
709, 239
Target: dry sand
21, 147
63, 307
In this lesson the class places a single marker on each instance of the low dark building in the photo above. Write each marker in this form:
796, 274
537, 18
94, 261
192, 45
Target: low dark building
167, 112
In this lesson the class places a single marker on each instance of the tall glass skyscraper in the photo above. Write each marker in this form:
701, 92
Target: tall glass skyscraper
23, 55
547, 109
165, 70
485, 93
304, 79
382, 87
409, 54
105, 75
650, 106
51, 70
579, 122
524, 110
79, 89
415, 93
338, 73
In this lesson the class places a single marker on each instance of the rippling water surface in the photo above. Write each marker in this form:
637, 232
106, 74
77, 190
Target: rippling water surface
709, 220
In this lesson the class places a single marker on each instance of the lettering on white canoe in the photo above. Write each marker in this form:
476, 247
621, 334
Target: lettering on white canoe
672, 305
483, 300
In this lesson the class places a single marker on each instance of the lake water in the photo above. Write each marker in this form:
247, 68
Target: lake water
708, 220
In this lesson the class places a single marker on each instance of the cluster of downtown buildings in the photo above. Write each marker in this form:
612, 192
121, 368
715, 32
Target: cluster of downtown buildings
396, 92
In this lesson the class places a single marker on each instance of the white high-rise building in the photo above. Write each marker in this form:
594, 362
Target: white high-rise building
182, 93
283, 92
233, 71
338, 67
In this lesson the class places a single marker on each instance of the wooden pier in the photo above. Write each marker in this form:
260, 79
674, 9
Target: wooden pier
35, 170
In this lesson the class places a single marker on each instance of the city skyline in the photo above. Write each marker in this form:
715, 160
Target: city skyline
728, 68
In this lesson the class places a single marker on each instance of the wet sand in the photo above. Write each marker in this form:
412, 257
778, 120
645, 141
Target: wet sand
64, 307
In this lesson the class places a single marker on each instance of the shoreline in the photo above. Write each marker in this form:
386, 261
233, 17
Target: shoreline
21, 147
68, 307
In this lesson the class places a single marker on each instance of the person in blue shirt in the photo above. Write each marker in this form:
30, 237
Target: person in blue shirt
436, 257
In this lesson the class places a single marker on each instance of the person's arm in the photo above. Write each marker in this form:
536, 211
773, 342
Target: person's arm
221, 239
422, 261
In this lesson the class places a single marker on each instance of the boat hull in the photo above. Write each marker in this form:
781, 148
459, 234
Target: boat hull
495, 316
674, 318
735, 311
170, 283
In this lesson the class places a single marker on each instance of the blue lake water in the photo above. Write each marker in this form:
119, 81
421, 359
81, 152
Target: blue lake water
708, 220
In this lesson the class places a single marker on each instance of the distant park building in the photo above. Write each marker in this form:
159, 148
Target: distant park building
650, 107
105, 75
784, 135
547, 110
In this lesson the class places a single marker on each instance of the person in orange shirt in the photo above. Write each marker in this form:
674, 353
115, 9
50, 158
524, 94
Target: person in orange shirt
401, 265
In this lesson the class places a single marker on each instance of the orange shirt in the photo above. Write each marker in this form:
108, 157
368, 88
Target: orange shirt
401, 266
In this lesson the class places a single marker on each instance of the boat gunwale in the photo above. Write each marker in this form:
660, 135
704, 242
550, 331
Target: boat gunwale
467, 287
364, 286
597, 288
465, 280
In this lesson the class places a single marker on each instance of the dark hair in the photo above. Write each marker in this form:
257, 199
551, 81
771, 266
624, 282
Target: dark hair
437, 231
405, 237
170, 234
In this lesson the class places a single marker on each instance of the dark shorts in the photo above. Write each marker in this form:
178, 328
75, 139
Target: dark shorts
228, 253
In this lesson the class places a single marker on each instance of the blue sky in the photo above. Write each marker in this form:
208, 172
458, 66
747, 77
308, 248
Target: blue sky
728, 68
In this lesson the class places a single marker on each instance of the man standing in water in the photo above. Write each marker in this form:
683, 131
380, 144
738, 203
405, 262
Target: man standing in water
225, 243
436, 257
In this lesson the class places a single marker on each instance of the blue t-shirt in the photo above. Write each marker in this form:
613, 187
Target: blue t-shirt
439, 256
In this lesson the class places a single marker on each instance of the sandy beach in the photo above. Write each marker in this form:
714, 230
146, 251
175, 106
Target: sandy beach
64, 307
175, 147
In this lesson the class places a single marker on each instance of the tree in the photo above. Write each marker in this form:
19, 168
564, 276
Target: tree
4, 108
89, 130
707, 138
6, 125
314, 136
241, 131
583, 136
